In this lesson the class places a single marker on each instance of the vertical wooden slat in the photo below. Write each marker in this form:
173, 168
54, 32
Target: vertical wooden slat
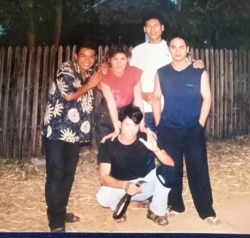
35, 99
73, 52
15, 118
67, 53
22, 143
221, 94
100, 56
226, 95
231, 93
44, 87
202, 55
52, 64
207, 67
6, 103
244, 92
28, 99
59, 56
236, 94
217, 94
240, 91
248, 91
212, 84
2, 53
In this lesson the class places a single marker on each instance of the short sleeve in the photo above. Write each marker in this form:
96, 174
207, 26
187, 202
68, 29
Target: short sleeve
103, 154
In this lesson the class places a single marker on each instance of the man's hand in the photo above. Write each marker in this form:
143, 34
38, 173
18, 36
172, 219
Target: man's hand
132, 189
198, 64
112, 135
151, 142
104, 68
95, 79
149, 97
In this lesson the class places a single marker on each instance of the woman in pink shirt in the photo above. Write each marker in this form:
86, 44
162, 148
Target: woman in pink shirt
120, 86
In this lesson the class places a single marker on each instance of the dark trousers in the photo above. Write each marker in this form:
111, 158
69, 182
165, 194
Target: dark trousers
61, 162
190, 143
150, 123
102, 122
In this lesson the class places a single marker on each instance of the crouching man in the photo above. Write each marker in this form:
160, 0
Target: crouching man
123, 162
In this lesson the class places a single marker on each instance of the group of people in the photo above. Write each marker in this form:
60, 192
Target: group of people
155, 105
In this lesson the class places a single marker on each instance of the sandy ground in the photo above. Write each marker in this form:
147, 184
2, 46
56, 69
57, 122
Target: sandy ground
22, 204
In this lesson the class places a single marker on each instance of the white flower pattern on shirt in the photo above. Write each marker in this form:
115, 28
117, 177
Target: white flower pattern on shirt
69, 121
73, 115
48, 114
69, 135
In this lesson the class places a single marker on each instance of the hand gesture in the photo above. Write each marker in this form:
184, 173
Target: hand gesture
151, 142
95, 79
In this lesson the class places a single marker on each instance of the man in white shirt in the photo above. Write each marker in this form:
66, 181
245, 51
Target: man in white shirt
150, 56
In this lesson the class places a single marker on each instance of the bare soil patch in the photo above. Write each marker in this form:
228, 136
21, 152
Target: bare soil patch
23, 208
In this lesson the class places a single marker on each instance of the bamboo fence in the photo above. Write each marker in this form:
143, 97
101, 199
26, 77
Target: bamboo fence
25, 77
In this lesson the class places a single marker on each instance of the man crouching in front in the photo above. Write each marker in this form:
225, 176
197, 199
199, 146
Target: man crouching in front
123, 163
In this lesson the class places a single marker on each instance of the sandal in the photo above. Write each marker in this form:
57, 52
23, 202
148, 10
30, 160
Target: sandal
143, 204
58, 230
160, 220
121, 219
71, 218
213, 221
171, 212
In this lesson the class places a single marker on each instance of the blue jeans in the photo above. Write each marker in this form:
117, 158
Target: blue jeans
109, 197
150, 123
61, 162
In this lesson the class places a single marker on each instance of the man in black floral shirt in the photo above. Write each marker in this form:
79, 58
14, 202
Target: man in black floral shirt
67, 123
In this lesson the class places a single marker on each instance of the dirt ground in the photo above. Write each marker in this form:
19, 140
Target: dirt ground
22, 203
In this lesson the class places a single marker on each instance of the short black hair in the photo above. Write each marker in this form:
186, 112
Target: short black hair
152, 15
132, 112
86, 43
177, 35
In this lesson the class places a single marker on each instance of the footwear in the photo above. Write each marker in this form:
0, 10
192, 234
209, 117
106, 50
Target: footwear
160, 220
121, 219
171, 212
213, 221
143, 204
71, 218
58, 230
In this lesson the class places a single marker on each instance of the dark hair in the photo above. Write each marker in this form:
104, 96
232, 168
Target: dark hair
86, 43
177, 35
152, 15
117, 48
132, 112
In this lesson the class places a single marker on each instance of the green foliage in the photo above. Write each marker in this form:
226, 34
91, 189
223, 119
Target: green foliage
208, 23
212, 23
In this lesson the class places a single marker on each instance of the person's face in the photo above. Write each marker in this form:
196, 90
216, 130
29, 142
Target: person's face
178, 49
119, 62
85, 59
154, 29
129, 130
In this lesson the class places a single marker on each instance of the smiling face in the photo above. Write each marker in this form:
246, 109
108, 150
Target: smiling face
85, 59
178, 49
119, 63
153, 28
